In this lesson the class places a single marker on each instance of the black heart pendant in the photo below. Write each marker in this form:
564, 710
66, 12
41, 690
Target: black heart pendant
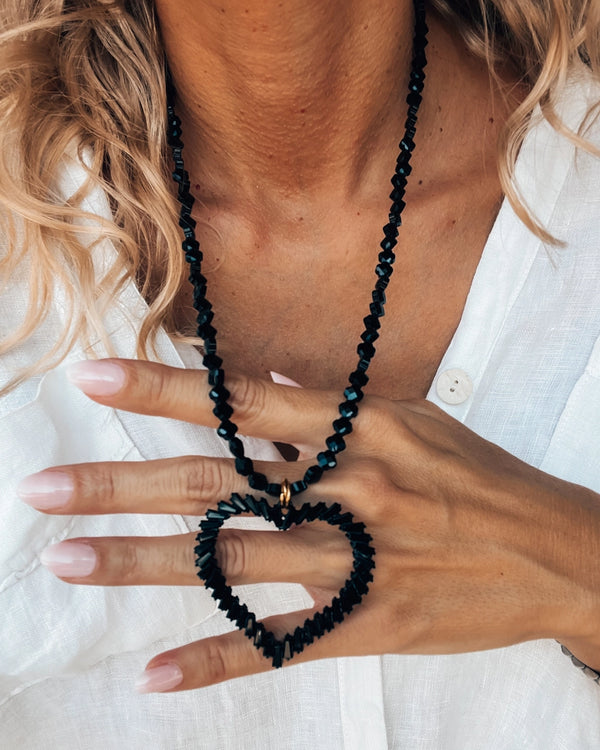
313, 628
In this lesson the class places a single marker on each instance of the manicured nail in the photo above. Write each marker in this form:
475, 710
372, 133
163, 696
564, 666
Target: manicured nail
282, 380
159, 679
46, 489
96, 377
69, 559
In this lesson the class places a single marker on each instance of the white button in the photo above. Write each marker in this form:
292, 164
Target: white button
454, 386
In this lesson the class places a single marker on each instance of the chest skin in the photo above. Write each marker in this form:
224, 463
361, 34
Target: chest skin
294, 302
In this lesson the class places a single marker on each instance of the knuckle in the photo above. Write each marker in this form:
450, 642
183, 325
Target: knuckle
377, 420
248, 397
156, 391
200, 480
231, 555
128, 563
96, 483
214, 662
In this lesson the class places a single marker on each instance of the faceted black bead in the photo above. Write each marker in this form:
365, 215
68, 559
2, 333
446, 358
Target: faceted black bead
218, 393
382, 283
216, 377
273, 489
336, 610
222, 412
378, 296
243, 465
257, 481
358, 378
210, 345
372, 321
383, 270
365, 350
207, 557
308, 636
204, 318
342, 426
353, 394
297, 487
335, 443
227, 430
326, 460
348, 409
391, 230
388, 244
399, 183
369, 335
212, 361
404, 170
236, 447
363, 365
313, 474
303, 511
210, 525
288, 649
410, 127
205, 330
414, 99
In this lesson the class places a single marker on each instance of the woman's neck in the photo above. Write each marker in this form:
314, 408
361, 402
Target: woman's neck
280, 99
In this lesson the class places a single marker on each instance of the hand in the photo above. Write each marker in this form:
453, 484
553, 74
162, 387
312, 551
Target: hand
474, 548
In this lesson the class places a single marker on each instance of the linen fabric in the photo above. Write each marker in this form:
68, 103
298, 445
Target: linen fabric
529, 340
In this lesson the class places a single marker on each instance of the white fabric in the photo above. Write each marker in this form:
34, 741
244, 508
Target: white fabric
529, 340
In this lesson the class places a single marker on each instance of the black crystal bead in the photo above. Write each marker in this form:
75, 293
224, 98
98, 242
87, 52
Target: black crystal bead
212, 361
257, 481
335, 443
297, 487
218, 393
391, 230
222, 411
384, 270
236, 447
348, 409
369, 335
353, 393
204, 318
342, 426
273, 489
226, 429
414, 99
365, 349
216, 377
372, 321
313, 474
382, 283
205, 330
238, 502
243, 465
378, 296
326, 460
388, 243
358, 378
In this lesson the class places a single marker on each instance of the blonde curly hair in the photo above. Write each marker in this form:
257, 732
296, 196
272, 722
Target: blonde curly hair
92, 72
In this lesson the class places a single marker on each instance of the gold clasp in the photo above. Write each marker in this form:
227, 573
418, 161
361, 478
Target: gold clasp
285, 496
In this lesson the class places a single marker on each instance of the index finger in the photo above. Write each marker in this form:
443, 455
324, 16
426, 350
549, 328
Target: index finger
260, 408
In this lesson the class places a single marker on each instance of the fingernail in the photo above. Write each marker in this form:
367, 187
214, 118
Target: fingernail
69, 559
46, 489
159, 679
282, 380
96, 377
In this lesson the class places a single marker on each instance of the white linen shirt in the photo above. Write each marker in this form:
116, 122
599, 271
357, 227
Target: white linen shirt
528, 343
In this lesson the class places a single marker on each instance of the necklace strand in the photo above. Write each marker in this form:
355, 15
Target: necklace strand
283, 514
353, 394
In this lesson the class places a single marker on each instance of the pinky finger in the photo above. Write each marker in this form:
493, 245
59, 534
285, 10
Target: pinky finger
224, 657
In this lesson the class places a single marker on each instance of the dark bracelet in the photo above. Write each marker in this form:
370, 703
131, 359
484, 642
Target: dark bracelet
587, 671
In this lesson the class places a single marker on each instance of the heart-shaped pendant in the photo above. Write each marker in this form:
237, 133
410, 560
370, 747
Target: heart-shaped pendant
349, 596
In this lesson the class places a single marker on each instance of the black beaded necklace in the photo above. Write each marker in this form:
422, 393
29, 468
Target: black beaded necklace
282, 513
